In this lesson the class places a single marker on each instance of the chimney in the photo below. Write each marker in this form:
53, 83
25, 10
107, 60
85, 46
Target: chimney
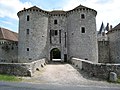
110, 27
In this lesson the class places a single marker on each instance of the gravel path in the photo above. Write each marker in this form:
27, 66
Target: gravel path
64, 74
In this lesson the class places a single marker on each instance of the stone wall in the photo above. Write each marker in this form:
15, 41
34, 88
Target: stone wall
98, 70
114, 42
21, 69
8, 51
57, 41
103, 52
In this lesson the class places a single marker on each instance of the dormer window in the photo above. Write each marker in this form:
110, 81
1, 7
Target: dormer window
82, 16
55, 21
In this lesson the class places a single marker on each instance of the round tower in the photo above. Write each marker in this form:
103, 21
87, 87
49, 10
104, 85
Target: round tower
33, 25
82, 37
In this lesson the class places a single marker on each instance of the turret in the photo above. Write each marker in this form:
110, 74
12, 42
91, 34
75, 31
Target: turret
33, 25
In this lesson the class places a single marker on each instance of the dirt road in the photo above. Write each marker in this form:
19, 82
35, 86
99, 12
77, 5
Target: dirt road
63, 74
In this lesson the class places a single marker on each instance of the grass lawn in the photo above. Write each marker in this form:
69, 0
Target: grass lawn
9, 78
118, 81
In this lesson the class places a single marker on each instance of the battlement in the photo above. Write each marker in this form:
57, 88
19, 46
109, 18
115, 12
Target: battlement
32, 9
58, 12
8, 43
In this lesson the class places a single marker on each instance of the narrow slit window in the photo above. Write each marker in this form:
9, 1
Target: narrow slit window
28, 17
65, 39
60, 36
27, 31
56, 32
82, 29
50, 36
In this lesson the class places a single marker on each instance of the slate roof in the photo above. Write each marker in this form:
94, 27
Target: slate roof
116, 27
83, 7
6, 34
57, 12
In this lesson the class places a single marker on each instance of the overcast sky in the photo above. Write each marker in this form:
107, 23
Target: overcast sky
107, 10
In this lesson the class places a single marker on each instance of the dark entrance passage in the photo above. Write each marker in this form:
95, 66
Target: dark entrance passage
55, 54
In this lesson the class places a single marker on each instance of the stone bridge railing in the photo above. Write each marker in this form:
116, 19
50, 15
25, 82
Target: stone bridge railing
99, 70
21, 69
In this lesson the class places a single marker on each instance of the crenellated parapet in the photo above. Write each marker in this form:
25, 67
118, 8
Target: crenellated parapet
6, 45
80, 8
32, 10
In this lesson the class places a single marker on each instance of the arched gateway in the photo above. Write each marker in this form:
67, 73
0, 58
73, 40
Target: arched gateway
55, 54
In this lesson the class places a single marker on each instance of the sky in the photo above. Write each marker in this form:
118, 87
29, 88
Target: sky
108, 11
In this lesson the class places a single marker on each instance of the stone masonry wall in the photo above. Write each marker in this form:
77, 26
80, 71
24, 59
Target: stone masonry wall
21, 69
98, 70
55, 39
8, 51
103, 52
32, 45
114, 42
82, 45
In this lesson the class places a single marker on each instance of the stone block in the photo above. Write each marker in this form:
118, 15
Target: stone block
113, 77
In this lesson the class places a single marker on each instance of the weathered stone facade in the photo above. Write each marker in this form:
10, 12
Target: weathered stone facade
103, 52
114, 44
8, 51
99, 70
72, 32
22, 69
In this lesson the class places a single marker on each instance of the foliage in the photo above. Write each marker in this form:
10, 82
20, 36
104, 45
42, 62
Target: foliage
9, 78
118, 81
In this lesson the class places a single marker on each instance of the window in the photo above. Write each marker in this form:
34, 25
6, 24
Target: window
28, 17
82, 16
60, 36
55, 21
53, 32
56, 33
27, 31
82, 29
50, 36
27, 49
12, 48
65, 39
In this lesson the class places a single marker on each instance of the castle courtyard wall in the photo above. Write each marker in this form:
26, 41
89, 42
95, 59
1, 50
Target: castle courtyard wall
8, 51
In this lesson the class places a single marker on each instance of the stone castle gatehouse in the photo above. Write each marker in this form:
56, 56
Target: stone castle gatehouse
66, 34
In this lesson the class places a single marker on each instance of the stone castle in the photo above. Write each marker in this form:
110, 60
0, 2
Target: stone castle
60, 35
